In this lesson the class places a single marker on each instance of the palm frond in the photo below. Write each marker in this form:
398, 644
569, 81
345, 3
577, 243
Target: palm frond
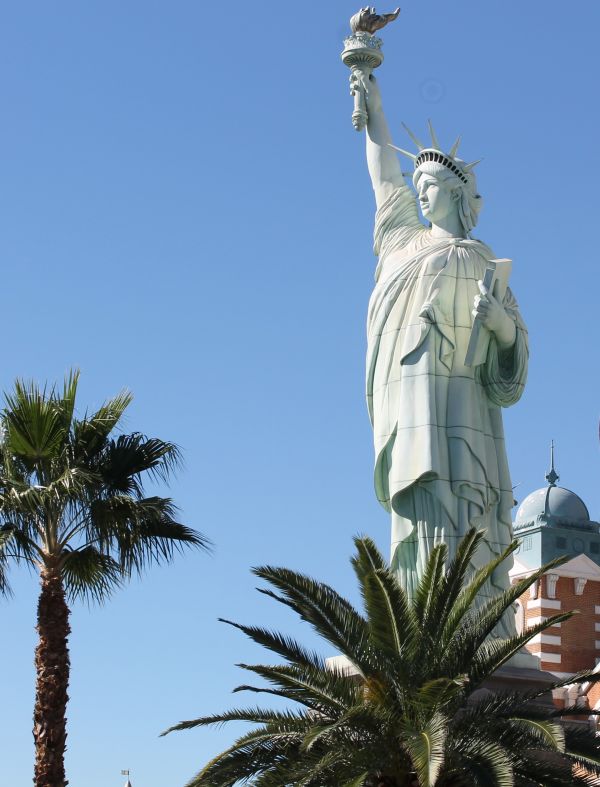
486, 762
6, 538
67, 400
123, 461
90, 574
426, 748
22, 502
358, 781
590, 764
393, 625
579, 742
480, 623
428, 590
465, 600
485, 656
368, 558
331, 615
249, 756
286, 718
439, 692
34, 426
140, 532
284, 646
91, 432
317, 689
455, 578
16, 546
71, 483
547, 771
316, 769
549, 734
585, 676
21, 545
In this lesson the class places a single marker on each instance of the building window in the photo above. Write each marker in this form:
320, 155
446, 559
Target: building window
594, 547
561, 542
527, 543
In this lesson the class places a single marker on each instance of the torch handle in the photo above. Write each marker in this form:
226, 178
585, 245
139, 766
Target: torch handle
360, 115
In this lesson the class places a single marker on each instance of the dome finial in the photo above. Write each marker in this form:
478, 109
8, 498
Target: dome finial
552, 477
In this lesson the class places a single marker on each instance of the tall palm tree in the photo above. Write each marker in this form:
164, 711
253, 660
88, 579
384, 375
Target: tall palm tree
412, 710
72, 505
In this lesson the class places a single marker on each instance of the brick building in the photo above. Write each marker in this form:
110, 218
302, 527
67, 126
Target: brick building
552, 522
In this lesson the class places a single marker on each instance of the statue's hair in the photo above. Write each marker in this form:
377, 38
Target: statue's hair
469, 201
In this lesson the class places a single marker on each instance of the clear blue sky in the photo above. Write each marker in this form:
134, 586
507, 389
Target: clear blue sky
186, 212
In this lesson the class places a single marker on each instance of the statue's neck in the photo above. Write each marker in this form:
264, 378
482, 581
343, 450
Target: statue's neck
449, 227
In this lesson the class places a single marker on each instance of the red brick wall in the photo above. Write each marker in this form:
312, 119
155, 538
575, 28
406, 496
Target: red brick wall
594, 695
578, 636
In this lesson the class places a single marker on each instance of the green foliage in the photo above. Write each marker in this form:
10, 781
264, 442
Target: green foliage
408, 712
72, 494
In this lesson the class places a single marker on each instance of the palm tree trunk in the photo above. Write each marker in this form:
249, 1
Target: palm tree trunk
52, 669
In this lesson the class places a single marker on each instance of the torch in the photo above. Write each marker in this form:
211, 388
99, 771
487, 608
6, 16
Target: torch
362, 53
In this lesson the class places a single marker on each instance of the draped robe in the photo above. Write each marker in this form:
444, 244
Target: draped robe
440, 458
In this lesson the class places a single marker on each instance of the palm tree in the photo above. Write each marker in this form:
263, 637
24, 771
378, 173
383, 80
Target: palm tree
412, 710
72, 505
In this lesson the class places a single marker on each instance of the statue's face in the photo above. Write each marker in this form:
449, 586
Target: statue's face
436, 199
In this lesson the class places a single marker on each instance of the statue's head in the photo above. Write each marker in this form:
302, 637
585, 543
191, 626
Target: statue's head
445, 184
442, 192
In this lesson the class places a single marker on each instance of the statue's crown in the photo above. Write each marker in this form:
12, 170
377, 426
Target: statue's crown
430, 154
435, 154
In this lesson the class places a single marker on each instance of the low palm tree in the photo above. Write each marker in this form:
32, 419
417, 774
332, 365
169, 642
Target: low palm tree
72, 505
412, 710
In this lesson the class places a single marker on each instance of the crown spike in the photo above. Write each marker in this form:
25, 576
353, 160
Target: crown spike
404, 152
415, 139
454, 149
434, 140
472, 165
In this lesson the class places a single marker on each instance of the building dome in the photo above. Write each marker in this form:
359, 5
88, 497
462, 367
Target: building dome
553, 505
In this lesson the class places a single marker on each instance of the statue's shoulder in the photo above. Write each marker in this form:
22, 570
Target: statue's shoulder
408, 240
482, 248
399, 249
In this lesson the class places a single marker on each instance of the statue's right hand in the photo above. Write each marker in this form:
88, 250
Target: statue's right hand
367, 82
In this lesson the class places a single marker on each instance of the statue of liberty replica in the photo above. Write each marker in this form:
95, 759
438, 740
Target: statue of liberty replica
447, 348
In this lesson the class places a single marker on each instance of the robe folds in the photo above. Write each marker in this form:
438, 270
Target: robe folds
440, 458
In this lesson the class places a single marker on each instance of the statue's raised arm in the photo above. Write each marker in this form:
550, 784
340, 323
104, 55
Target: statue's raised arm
382, 159
362, 53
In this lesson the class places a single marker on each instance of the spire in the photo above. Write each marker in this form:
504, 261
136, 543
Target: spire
552, 476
